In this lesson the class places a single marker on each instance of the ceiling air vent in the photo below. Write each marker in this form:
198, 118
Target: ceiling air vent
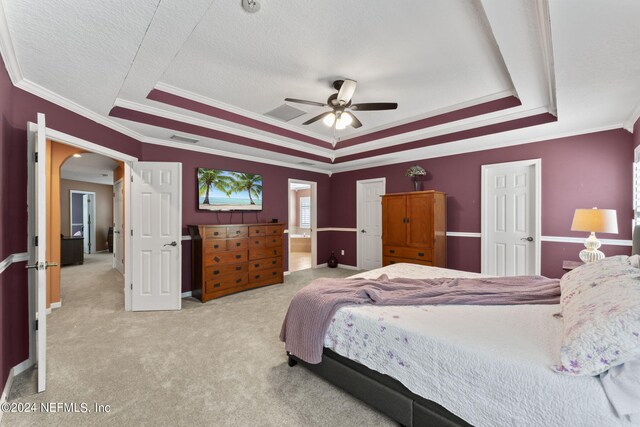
285, 113
306, 163
186, 139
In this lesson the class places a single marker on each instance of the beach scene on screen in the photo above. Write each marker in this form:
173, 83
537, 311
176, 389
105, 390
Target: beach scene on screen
221, 190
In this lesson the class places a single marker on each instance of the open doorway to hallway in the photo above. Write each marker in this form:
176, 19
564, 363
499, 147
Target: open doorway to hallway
302, 217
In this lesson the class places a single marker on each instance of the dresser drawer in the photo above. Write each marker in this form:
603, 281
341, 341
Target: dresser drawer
229, 257
257, 230
274, 230
387, 260
425, 254
266, 276
260, 253
226, 282
215, 232
263, 264
256, 242
272, 241
237, 231
215, 245
237, 244
214, 271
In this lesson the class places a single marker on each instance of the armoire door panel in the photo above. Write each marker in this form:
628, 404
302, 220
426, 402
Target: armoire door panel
419, 230
394, 214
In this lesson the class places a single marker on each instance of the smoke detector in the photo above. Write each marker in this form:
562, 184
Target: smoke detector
251, 6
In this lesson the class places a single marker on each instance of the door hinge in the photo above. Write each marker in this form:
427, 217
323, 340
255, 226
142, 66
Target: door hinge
131, 178
132, 286
35, 157
35, 241
36, 324
132, 231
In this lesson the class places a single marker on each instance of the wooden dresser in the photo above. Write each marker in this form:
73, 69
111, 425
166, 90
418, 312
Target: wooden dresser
414, 228
231, 258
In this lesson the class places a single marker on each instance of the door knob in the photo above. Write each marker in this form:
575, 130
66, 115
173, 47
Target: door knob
42, 266
363, 231
528, 239
174, 243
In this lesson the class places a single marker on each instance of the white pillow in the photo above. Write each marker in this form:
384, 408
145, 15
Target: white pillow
601, 310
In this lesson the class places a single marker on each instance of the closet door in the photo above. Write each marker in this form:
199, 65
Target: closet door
394, 217
420, 220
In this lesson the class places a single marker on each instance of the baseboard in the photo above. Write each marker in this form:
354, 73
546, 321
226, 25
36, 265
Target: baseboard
187, 294
7, 389
321, 265
56, 304
286, 273
21, 367
345, 266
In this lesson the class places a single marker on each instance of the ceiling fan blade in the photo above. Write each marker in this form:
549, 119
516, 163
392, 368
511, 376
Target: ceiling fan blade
318, 117
303, 101
375, 106
355, 122
346, 91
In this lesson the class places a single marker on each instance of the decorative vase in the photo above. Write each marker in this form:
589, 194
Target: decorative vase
332, 262
416, 184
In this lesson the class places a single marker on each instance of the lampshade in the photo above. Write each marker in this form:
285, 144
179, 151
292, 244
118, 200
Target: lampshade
595, 220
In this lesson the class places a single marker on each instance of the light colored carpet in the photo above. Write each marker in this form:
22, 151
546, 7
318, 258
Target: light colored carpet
218, 363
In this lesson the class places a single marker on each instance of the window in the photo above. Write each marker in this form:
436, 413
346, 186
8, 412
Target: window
305, 212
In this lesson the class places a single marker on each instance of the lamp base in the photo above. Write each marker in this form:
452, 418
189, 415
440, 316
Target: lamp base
591, 253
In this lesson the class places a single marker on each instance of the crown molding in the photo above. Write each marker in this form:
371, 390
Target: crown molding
236, 110
222, 153
546, 45
444, 129
452, 149
6, 49
633, 118
284, 142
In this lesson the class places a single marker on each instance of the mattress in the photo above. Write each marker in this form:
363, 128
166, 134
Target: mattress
490, 365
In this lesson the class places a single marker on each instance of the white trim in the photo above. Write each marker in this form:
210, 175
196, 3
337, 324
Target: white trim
314, 220
4, 397
283, 141
438, 150
8, 53
286, 273
348, 267
92, 234
359, 183
232, 109
546, 45
580, 240
537, 167
88, 146
186, 237
22, 366
56, 304
239, 156
187, 294
463, 234
337, 229
633, 118
6, 263
323, 265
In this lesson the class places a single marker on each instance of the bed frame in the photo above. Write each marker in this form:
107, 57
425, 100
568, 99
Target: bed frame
381, 392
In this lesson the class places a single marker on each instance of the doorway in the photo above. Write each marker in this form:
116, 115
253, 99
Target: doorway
302, 225
511, 195
369, 222
82, 217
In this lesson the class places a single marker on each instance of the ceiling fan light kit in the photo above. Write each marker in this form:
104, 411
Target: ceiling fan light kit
339, 118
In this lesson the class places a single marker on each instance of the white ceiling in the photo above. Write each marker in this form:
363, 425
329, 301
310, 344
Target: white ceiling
429, 56
90, 167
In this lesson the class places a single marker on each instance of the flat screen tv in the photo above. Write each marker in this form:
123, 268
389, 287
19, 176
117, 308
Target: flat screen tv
221, 190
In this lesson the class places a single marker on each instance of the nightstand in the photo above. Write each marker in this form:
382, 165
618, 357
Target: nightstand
570, 265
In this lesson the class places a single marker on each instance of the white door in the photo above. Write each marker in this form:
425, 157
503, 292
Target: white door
118, 246
86, 223
511, 218
156, 222
369, 214
38, 243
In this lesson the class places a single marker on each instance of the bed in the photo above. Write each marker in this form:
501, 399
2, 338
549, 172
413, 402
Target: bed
458, 365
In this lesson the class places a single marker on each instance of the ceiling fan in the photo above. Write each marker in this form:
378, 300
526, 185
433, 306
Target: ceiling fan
341, 114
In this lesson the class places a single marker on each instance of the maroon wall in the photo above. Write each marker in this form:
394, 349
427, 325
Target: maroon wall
566, 185
275, 195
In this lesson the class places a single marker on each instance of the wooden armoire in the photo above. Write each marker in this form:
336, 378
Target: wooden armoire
414, 228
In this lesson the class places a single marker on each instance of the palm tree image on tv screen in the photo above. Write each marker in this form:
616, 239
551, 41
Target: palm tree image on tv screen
221, 190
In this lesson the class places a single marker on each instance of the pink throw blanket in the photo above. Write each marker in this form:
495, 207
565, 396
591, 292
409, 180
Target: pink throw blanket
313, 307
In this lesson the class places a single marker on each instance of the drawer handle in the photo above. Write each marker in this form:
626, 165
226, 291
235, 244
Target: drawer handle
238, 256
217, 285
215, 233
216, 259
258, 276
273, 241
238, 244
216, 272
275, 252
238, 268
216, 246
238, 280
392, 251
420, 253
392, 262
238, 232
273, 262
257, 231
257, 242
273, 273
256, 265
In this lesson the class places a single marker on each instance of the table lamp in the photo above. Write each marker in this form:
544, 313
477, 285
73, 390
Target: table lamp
594, 220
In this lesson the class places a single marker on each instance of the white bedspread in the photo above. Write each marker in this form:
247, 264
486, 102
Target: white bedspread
490, 365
